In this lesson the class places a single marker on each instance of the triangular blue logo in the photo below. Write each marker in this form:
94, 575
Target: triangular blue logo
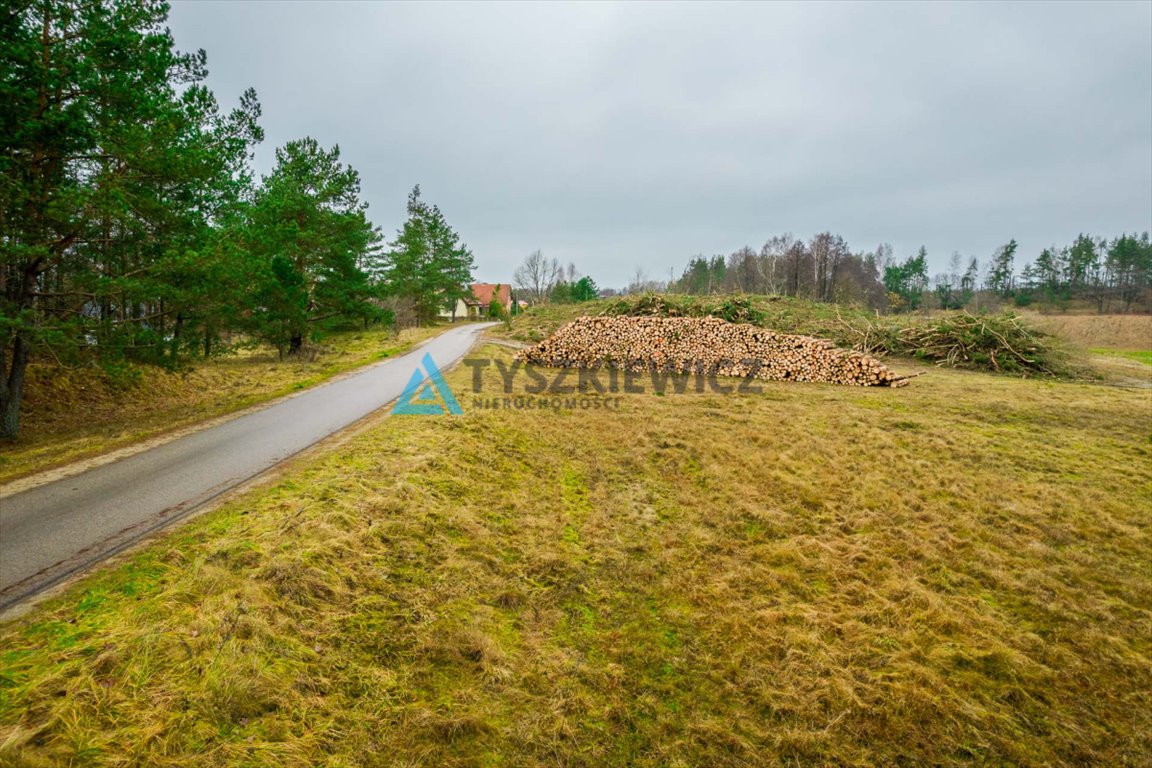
427, 394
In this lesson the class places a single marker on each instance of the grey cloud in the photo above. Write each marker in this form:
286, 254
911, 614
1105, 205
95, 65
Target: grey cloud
625, 135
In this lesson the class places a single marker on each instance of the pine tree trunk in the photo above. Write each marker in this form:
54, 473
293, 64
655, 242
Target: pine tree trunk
12, 389
176, 331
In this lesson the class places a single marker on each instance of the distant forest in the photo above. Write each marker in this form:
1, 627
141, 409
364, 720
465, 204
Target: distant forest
1092, 273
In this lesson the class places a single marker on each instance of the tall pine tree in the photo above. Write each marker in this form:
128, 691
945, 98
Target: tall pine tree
312, 246
427, 264
113, 160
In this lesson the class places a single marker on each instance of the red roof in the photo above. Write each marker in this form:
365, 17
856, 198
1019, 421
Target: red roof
483, 293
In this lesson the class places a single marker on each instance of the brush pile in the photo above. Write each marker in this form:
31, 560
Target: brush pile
705, 345
734, 309
1002, 342
962, 340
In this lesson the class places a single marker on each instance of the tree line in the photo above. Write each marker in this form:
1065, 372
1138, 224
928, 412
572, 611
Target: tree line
1108, 275
132, 225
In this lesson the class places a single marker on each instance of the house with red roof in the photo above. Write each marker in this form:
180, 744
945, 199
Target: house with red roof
477, 304
486, 293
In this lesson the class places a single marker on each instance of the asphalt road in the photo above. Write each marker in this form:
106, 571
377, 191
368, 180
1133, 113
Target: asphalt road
52, 531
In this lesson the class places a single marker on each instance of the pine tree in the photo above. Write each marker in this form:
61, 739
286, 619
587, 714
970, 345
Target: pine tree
1082, 263
113, 162
1001, 269
427, 264
585, 289
1129, 262
313, 246
1046, 273
449, 271
908, 281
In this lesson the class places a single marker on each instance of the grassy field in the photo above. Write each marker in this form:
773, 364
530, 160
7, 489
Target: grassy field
954, 573
1123, 332
72, 413
1118, 347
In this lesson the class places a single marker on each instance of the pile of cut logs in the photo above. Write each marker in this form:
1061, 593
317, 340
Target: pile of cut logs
695, 345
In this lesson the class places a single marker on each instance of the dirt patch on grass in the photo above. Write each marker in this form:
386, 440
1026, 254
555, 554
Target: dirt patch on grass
1127, 369
814, 575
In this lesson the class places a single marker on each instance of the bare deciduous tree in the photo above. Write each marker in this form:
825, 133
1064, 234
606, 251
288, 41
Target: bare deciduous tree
536, 277
639, 281
642, 284
774, 263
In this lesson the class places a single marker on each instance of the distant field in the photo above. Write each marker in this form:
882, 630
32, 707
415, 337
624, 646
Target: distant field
954, 573
72, 413
1127, 332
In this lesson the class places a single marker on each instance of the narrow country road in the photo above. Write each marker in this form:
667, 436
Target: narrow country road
49, 532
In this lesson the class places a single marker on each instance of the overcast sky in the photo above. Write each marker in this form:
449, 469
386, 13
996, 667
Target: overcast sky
638, 135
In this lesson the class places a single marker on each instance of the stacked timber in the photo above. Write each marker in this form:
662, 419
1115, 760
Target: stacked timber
708, 345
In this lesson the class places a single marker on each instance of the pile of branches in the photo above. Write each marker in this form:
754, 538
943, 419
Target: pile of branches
962, 340
734, 309
1002, 342
705, 345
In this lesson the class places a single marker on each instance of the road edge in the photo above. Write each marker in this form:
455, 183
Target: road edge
52, 474
118, 554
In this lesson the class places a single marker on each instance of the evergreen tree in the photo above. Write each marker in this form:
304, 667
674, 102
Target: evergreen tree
1001, 269
312, 245
449, 272
1082, 263
1129, 265
585, 289
908, 281
1046, 274
968, 283
697, 276
113, 161
426, 263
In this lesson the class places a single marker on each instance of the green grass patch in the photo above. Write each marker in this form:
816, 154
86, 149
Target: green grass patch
1139, 355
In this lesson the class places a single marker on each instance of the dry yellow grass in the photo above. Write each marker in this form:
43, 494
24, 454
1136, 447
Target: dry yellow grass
1126, 332
955, 573
69, 414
